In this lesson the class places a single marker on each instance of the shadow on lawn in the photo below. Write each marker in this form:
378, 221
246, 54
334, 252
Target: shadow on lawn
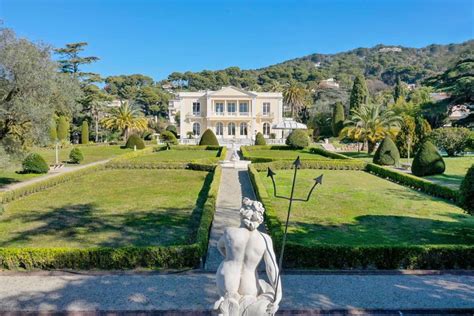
387, 230
4, 181
87, 225
450, 180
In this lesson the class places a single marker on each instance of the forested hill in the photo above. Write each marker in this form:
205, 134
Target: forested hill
380, 65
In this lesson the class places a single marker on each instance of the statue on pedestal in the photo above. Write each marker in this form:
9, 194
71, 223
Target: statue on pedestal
238, 284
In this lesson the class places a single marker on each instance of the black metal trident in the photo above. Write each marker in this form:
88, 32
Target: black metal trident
271, 174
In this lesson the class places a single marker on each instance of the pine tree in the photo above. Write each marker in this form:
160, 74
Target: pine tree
85, 132
399, 90
337, 118
359, 93
63, 128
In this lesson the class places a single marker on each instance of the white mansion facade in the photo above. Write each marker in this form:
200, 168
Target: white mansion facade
233, 114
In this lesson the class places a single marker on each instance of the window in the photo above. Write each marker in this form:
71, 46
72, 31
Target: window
266, 129
266, 108
231, 108
231, 129
243, 108
219, 129
196, 108
196, 129
219, 108
243, 129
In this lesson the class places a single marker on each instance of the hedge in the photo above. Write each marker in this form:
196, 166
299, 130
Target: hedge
314, 164
247, 153
353, 257
414, 182
176, 257
327, 153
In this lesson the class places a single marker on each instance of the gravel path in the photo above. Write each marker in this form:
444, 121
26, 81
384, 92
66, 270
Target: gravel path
196, 291
51, 174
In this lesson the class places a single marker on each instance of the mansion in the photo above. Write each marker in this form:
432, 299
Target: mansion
233, 114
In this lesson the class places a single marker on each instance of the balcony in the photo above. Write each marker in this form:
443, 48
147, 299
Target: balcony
191, 115
223, 115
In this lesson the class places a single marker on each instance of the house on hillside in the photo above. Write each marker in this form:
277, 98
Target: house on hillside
329, 83
233, 114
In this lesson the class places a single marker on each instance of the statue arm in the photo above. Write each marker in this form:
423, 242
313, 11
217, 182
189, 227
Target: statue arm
221, 246
271, 267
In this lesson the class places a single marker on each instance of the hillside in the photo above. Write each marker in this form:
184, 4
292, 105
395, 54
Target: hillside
380, 64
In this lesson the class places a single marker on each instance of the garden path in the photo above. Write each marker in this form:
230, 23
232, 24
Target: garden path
51, 174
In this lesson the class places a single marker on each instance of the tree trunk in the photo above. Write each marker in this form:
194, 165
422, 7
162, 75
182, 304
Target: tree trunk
370, 147
96, 129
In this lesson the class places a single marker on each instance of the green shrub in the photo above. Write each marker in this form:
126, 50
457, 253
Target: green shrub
466, 193
135, 140
85, 132
76, 156
260, 140
327, 153
53, 131
209, 138
329, 164
337, 122
427, 161
169, 138
297, 139
172, 129
452, 139
63, 128
387, 154
34, 163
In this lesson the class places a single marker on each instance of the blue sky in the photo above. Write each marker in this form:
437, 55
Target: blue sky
158, 37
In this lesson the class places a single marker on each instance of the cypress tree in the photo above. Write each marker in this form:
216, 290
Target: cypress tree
399, 90
63, 128
407, 132
337, 118
53, 131
359, 93
387, 154
85, 132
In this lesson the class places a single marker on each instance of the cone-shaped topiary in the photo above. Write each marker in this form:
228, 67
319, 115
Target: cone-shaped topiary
76, 156
135, 140
427, 161
260, 140
172, 129
53, 131
209, 138
85, 132
297, 139
387, 154
34, 163
63, 128
466, 193
169, 138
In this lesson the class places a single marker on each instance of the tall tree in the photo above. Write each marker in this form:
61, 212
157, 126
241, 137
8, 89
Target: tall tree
63, 128
406, 137
31, 91
359, 93
337, 118
398, 90
370, 124
85, 132
71, 61
294, 97
125, 119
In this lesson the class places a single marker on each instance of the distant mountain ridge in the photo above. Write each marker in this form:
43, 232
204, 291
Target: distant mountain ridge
381, 63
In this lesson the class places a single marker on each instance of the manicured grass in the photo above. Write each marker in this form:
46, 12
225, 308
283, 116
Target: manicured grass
175, 155
456, 169
355, 208
285, 154
109, 208
11, 176
91, 153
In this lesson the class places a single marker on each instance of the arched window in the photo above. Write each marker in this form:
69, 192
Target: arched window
231, 129
196, 129
266, 129
243, 129
219, 129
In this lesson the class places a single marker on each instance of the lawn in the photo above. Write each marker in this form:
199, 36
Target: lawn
176, 155
11, 176
109, 208
91, 153
456, 169
355, 208
285, 154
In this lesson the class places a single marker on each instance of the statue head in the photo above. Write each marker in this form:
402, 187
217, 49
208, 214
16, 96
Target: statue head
251, 213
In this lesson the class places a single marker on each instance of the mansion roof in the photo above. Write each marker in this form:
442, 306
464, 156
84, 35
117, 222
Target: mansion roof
230, 91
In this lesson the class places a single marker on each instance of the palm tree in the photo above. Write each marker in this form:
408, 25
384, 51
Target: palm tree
126, 119
294, 97
370, 124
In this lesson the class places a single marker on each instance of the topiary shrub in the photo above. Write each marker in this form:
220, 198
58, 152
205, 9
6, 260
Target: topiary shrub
172, 129
34, 163
209, 138
466, 192
387, 154
427, 161
85, 133
260, 140
168, 137
297, 139
135, 140
76, 156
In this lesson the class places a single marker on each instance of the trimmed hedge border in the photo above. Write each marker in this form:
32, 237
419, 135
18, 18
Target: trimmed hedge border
413, 182
327, 153
176, 257
360, 257
313, 164
247, 153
